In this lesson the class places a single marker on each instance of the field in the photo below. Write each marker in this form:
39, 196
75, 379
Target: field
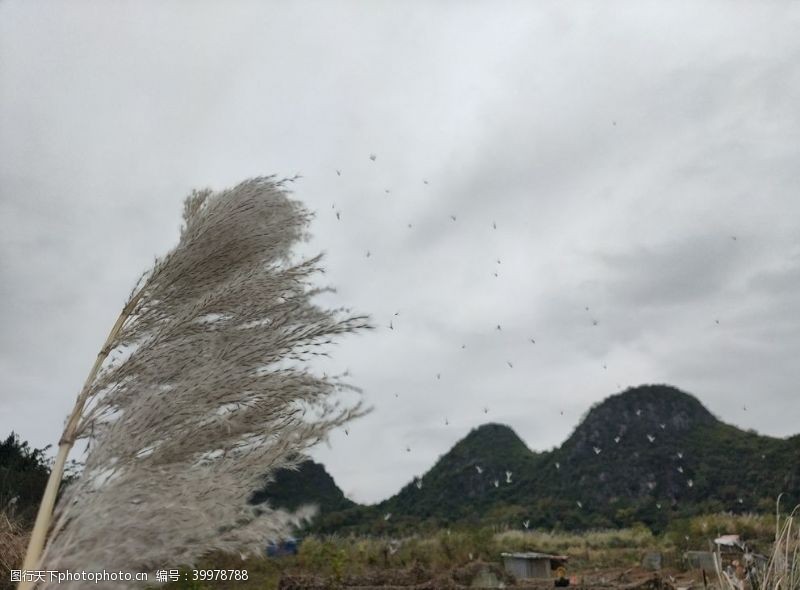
456, 558
605, 558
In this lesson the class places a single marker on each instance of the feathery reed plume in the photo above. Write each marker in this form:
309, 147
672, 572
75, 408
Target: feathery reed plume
199, 392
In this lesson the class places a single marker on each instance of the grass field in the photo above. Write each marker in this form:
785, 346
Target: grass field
336, 557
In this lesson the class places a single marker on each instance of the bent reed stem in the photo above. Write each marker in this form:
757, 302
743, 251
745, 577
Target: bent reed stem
45, 514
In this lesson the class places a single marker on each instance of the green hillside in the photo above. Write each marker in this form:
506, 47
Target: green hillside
648, 455
308, 484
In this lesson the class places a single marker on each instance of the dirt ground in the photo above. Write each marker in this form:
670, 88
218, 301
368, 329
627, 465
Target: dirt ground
492, 575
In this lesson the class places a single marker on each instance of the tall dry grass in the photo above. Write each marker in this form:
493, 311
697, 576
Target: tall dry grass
13, 542
782, 568
561, 541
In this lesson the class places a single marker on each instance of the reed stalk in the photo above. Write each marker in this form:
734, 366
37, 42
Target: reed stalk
45, 514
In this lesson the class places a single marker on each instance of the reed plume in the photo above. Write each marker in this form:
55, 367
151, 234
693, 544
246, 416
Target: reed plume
202, 390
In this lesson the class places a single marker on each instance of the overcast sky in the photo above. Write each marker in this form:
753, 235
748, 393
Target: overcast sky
618, 147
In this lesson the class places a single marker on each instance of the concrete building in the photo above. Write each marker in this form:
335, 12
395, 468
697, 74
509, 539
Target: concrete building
532, 564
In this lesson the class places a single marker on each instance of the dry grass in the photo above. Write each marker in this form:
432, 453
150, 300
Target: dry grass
560, 542
13, 542
782, 569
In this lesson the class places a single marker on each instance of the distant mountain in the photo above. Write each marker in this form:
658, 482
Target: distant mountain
309, 484
462, 482
647, 455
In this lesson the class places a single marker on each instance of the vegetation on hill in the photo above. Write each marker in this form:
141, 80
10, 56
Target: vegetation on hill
649, 456
307, 484
23, 476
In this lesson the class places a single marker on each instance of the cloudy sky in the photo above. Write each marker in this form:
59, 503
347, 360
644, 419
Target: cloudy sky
637, 158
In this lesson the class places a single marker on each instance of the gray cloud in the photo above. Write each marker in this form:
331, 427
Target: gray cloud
617, 152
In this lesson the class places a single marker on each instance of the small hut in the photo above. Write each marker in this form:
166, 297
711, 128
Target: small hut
532, 564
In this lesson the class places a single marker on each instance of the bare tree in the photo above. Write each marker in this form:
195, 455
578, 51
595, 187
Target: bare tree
202, 387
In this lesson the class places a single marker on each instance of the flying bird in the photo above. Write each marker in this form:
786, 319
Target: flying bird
508, 477
651, 438
338, 215
616, 439
526, 523
680, 469
594, 322
509, 364
638, 412
496, 484
387, 516
478, 469
662, 426
387, 191
368, 254
579, 503
419, 484
597, 450
346, 432
658, 506
409, 226
690, 483
486, 410
463, 346
425, 181
680, 455
558, 465
338, 173
494, 225
532, 340
498, 327
372, 157
391, 326
438, 375
408, 449
446, 423
453, 217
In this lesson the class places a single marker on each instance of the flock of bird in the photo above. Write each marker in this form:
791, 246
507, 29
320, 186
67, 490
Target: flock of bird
418, 482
